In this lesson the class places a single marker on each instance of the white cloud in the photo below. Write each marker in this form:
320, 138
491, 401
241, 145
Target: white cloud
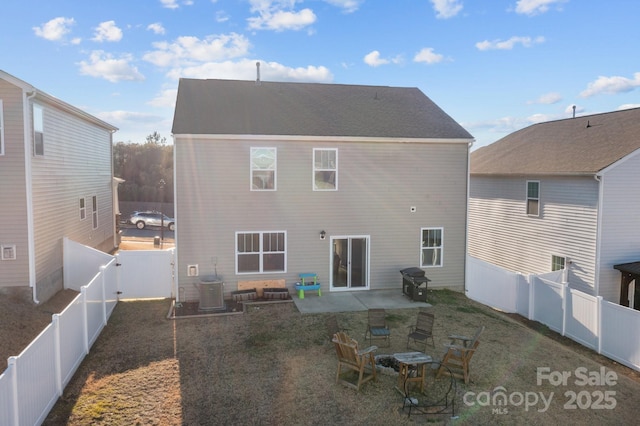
166, 98
535, 7
373, 59
547, 99
428, 56
446, 8
156, 27
173, 4
188, 51
611, 85
128, 116
104, 65
348, 6
628, 106
221, 16
508, 44
107, 31
281, 20
55, 29
245, 69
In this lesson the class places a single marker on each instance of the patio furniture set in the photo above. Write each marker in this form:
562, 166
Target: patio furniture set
418, 374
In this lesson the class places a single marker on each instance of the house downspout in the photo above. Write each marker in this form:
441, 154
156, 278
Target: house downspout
596, 278
29, 195
466, 220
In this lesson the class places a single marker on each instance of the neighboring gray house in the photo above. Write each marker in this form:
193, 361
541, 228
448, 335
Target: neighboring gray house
561, 194
351, 182
55, 181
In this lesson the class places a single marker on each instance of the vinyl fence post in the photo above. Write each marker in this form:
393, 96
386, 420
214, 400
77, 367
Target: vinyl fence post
85, 319
599, 300
12, 363
55, 320
565, 292
532, 304
103, 284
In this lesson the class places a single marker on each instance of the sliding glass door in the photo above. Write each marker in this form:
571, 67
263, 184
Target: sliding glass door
350, 262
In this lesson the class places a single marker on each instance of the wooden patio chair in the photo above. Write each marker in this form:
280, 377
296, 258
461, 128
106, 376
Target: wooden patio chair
439, 397
377, 326
422, 331
362, 362
458, 355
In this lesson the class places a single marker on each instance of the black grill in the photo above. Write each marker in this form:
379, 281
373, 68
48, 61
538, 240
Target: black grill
414, 284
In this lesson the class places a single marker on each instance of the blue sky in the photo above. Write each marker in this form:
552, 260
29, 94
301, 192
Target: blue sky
495, 66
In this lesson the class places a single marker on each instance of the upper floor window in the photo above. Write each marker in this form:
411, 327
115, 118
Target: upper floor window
533, 198
431, 247
94, 211
38, 130
325, 169
83, 209
263, 169
1, 128
260, 252
558, 262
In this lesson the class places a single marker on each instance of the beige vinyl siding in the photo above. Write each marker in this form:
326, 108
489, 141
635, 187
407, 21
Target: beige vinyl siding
76, 163
379, 183
500, 232
13, 228
620, 236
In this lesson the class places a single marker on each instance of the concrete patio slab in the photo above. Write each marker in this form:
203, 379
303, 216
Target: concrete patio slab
352, 301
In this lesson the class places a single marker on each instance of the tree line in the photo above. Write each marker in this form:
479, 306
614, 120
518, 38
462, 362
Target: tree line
146, 168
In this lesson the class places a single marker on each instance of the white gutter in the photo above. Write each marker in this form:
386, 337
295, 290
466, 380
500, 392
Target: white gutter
26, 113
466, 220
596, 278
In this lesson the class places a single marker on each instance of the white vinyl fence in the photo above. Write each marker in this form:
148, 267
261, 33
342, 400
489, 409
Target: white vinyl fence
35, 379
546, 298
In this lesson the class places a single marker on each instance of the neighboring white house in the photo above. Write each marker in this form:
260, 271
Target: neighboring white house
561, 194
353, 183
55, 181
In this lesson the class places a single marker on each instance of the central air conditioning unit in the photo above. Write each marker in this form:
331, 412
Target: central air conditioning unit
211, 293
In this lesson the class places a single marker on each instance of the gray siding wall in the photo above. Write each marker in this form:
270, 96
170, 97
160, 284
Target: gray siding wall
76, 163
378, 184
13, 224
500, 232
620, 236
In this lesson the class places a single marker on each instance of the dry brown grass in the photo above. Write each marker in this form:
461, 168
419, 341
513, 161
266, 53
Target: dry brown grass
275, 366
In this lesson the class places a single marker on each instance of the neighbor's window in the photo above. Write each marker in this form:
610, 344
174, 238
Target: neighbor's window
1, 128
263, 169
94, 211
325, 169
533, 197
558, 263
83, 209
260, 252
38, 130
431, 247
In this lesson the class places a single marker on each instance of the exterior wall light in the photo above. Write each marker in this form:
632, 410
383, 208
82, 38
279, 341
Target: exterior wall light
322, 235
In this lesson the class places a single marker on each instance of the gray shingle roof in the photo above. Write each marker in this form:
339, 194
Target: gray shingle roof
235, 107
575, 146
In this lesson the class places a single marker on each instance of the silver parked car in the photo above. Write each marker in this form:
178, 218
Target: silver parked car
152, 218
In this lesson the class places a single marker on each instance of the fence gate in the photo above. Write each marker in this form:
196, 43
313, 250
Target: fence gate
146, 273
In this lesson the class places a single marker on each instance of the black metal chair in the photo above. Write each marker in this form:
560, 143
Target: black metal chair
422, 331
438, 398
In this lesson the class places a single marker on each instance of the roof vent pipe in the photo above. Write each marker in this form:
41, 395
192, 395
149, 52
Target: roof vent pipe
574, 111
257, 72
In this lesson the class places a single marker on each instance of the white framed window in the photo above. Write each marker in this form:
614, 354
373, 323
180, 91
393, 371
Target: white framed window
431, 247
533, 197
263, 169
261, 252
1, 128
83, 209
8, 252
325, 169
94, 211
558, 262
38, 130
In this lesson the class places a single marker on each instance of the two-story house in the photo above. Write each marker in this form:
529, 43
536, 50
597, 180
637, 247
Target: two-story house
55, 181
561, 195
351, 182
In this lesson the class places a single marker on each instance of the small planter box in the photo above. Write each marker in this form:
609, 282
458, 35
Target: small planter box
242, 295
276, 293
